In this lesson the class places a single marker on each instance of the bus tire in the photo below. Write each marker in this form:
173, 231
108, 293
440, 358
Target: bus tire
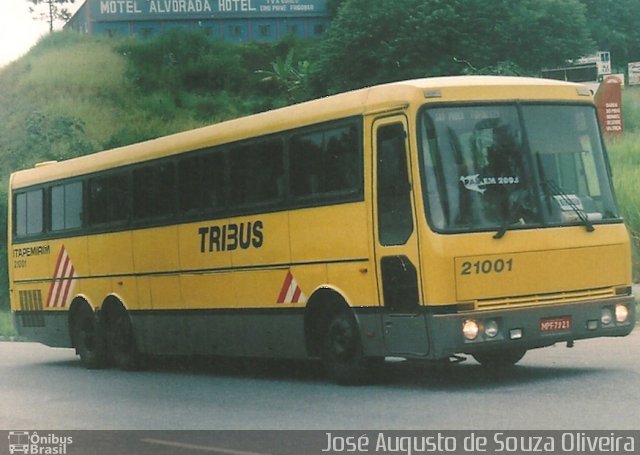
500, 358
341, 353
88, 338
121, 344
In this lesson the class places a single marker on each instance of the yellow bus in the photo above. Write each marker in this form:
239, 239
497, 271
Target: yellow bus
421, 219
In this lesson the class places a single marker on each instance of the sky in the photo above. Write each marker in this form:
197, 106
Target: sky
19, 31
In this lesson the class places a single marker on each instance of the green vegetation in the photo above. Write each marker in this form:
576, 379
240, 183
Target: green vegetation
75, 94
404, 39
7, 331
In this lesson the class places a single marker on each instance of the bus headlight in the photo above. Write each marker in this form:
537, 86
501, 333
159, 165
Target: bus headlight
491, 328
470, 329
622, 313
606, 316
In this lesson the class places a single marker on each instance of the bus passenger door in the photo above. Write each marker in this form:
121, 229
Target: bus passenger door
396, 240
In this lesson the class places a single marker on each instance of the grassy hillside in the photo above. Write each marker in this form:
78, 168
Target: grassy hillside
73, 94
70, 96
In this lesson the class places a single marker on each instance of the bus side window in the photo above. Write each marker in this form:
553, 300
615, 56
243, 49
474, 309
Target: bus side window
341, 160
201, 183
325, 163
306, 169
109, 199
29, 214
20, 217
66, 206
154, 191
257, 173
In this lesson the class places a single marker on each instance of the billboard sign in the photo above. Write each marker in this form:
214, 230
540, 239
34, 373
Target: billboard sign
125, 10
634, 73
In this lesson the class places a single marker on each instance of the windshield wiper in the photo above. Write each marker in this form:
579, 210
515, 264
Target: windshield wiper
505, 226
501, 231
556, 190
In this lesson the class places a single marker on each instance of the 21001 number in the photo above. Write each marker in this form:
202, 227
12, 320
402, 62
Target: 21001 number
487, 266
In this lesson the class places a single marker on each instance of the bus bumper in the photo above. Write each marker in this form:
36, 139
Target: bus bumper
528, 328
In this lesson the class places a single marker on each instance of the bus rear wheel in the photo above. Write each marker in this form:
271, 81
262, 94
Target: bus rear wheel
342, 354
87, 338
120, 340
500, 358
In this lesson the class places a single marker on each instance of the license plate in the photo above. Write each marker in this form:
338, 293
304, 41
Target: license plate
557, 324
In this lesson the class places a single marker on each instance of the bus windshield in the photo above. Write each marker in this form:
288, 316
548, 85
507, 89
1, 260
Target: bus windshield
509, 166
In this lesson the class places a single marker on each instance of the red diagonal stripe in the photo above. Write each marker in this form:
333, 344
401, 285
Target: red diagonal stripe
296, 295
62, 276
67, 286
285, 287
51, 287
55, 275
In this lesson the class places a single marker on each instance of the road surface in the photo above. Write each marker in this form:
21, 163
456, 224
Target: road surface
595, 385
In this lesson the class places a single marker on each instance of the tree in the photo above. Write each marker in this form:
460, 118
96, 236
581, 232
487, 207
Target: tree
375, 41
615, 27
290, 74
357, 49
50, 10
333, 6
546, 33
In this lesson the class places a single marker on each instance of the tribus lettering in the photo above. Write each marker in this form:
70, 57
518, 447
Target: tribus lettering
229, 237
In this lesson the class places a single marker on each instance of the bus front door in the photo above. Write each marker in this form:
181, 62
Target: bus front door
396, 241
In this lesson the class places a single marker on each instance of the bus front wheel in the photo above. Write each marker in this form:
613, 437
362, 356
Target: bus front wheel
342, 353
500, 358
87, 338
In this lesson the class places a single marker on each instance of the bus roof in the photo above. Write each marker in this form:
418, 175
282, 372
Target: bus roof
380, 98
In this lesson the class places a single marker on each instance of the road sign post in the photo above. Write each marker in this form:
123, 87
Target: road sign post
609, 102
